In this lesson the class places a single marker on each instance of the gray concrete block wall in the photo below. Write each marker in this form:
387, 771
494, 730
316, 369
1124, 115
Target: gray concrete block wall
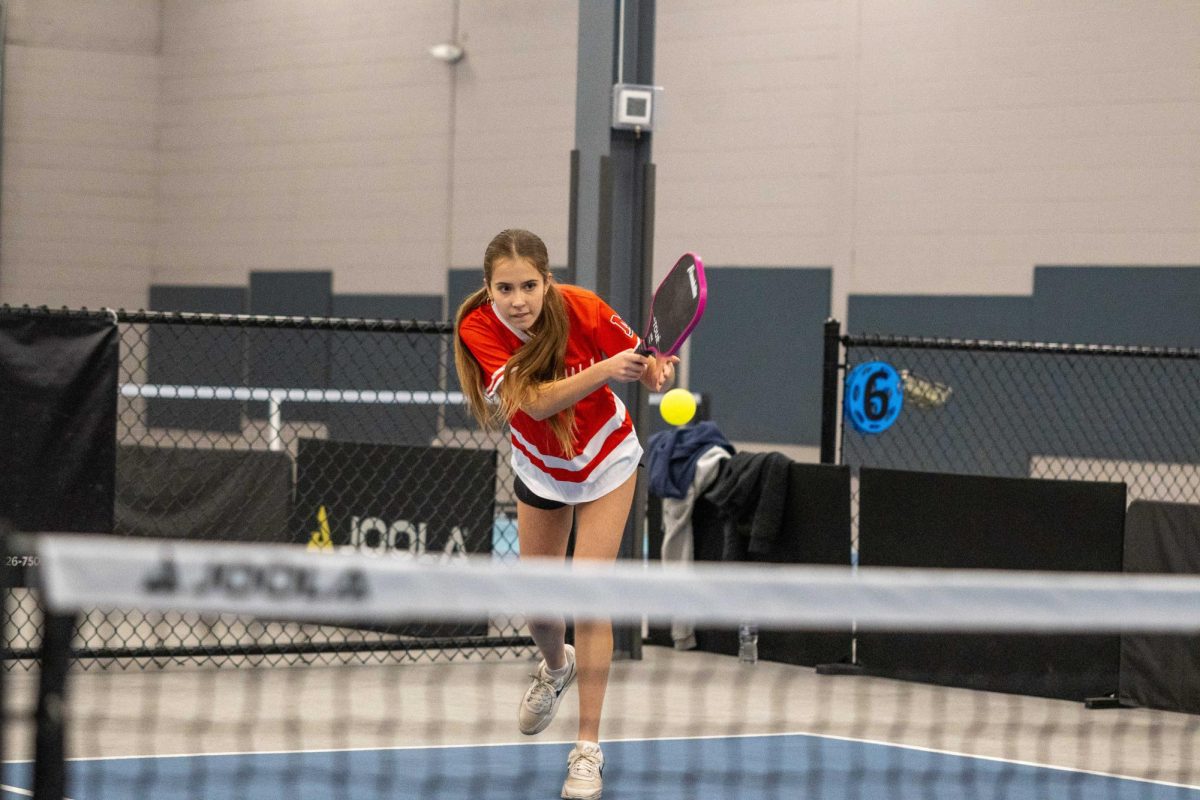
514, 124
80, 152
916, 151
302, 136
930, 148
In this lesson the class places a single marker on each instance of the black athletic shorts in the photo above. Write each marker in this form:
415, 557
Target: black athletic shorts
526, 495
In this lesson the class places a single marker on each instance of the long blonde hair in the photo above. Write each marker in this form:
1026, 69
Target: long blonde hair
540, 360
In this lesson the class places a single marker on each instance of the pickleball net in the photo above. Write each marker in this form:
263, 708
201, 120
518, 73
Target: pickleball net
1001, 715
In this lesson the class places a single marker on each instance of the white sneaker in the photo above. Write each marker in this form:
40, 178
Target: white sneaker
541, 699
585, 765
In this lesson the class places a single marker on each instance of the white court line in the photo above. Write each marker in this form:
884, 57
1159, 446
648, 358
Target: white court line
14, 790
634, 740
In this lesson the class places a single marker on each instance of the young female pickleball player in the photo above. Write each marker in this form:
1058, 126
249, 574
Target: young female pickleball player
539, 356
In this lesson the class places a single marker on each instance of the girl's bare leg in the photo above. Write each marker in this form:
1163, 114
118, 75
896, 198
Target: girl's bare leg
600, 526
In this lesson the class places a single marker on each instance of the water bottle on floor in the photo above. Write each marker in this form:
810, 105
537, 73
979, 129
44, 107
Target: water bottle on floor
748, 643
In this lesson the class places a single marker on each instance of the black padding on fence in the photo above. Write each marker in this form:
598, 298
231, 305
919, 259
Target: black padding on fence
924, 519
195, 355
1162, 671
58, 421
179, 493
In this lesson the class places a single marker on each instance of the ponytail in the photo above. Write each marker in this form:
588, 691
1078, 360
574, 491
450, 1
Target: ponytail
470, 376
541, 360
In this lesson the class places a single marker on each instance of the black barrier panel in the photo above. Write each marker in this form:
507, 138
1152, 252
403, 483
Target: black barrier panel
389, 499
1162, 671
815, 530
226, 495
923, 519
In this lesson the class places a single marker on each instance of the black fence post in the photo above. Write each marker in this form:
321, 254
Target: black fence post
829, 391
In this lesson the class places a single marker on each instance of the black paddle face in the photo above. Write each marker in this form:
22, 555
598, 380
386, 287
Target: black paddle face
676, 308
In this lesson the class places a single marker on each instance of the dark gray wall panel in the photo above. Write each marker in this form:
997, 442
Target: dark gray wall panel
459, 284
757, 352
196, 493
958, 317
290, 359
983, 394
196, 355
385, 361
208, 299
1152, 306
424, 307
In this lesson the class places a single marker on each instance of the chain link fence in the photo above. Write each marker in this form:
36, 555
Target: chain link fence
336, 434
1030, 410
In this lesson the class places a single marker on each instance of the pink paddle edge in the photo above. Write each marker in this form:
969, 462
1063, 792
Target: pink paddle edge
702, 282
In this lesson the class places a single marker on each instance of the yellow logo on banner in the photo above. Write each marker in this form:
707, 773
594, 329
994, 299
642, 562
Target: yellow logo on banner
320, 539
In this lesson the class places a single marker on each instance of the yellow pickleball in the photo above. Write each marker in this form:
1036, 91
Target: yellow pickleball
677, 407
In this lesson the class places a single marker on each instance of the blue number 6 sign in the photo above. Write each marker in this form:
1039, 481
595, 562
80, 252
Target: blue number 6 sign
874, 397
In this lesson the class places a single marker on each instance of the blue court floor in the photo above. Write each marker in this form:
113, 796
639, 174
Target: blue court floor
750, 767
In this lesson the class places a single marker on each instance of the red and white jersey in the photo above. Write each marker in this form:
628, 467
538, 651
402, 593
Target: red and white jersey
607, 448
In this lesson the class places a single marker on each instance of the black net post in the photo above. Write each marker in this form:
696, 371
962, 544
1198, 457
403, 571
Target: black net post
5, 551
49, 772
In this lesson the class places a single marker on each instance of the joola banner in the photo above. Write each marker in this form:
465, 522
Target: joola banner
386, 498
395, 500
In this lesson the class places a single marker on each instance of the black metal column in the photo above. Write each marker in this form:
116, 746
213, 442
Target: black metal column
612, 215
829, 391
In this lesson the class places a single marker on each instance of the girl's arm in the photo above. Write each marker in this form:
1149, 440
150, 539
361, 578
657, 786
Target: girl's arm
554, 396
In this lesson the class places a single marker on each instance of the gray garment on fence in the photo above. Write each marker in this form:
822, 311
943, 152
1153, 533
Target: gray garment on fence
677, 545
